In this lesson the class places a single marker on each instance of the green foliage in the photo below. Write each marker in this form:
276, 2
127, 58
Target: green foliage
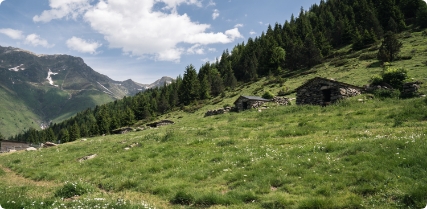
189, 89
182, 198
421, 15
376, 79
390, 48
395, 76
71, 189
268, 95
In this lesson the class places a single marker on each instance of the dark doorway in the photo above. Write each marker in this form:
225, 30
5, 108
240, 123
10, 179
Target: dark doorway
326, 95
245, 105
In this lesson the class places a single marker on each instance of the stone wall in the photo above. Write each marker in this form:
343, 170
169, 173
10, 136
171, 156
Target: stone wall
281, 100
314, 92
6, 146
411, 88
217, 111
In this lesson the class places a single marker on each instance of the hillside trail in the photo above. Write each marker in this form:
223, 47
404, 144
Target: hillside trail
14, 179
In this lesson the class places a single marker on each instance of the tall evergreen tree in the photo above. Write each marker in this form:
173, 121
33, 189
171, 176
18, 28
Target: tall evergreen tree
390, 48
74, 132
64, 136
189, 89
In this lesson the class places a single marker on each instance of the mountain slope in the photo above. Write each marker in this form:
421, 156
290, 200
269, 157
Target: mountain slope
45, 88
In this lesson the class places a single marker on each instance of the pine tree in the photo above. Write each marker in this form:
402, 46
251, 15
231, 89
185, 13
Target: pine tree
189, 89
422, 15
2, 137
50, 135
205, 87
64, 136
74, 132
390, 48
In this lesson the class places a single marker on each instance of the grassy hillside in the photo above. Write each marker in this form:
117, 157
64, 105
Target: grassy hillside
347, 155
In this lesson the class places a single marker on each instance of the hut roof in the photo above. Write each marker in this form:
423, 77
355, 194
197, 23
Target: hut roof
329, 80
253, 98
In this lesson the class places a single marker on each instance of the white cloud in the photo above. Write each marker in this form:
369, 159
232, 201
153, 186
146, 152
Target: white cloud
136, 27
1, 1
83, 46
195, 49
35, 40
63, 8
252, 32
212, 49
238, 25
211, 3
14, 34
215, 14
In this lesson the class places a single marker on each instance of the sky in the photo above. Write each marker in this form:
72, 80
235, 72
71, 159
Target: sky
141, 40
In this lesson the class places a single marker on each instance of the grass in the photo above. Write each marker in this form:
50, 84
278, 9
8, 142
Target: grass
347, 155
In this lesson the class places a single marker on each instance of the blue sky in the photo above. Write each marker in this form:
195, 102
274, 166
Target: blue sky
139, 39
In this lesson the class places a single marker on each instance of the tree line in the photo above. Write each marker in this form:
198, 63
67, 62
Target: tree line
300, 43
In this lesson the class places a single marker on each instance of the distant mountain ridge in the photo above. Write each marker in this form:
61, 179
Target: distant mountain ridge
37, 88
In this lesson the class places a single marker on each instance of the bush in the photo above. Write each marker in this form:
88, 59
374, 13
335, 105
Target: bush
268, 95
395, 76
376, 80
182, 198
386, 93
71, 189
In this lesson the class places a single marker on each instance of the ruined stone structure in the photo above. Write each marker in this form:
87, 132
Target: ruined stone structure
160, 123
322, 91
248, 102
281, 100
411, 88
217, 111
7, 146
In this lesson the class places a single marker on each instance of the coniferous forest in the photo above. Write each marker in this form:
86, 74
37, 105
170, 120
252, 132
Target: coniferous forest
298, 44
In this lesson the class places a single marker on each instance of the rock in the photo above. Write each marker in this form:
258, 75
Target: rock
48, 144
87, 158
31, 149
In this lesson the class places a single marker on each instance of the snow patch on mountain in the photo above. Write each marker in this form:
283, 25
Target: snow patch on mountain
50, 78
109, 92
17, 68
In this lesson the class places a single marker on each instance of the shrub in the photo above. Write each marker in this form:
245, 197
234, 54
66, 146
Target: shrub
376, 80
386, 93
283, 91
416, 197
268, 95
182, 198
395, 76
368, 56
71, 189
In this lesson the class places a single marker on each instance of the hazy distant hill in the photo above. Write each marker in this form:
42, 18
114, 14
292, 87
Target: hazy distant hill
36, 89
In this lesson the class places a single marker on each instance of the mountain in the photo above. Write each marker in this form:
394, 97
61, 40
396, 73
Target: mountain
39, 89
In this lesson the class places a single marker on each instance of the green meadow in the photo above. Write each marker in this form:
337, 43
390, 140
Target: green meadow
348, 155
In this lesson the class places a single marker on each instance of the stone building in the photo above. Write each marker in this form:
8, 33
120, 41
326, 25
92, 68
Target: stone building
248, 102
7, 145
322, 91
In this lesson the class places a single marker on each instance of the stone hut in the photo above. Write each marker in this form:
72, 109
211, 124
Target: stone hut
322, 91
7, 145
248, 102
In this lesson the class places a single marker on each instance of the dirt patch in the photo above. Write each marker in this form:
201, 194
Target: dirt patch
14, 179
